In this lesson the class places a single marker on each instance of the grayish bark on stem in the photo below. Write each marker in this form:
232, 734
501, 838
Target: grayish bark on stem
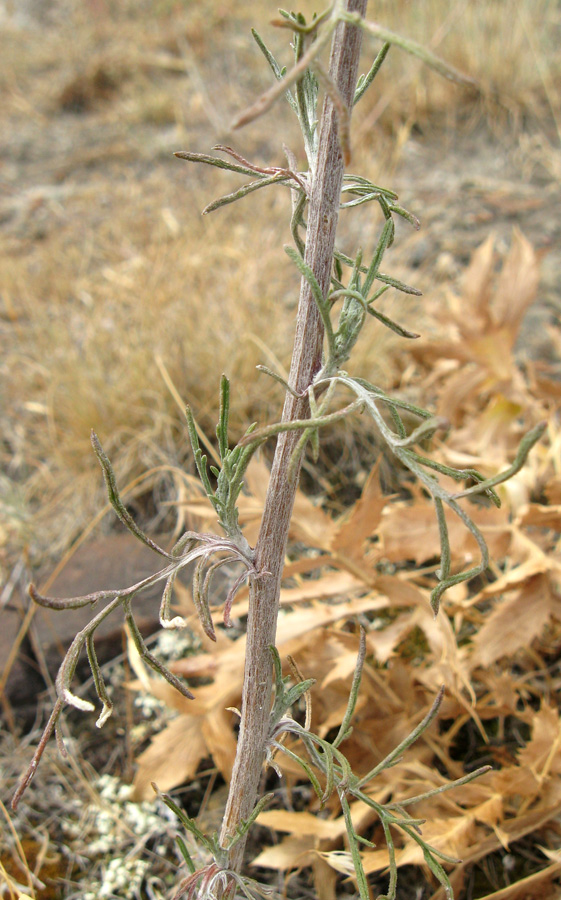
306, 362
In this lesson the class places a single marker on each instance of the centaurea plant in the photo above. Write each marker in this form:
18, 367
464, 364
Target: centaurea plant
339, 297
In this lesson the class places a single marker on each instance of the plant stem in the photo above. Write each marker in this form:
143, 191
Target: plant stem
306, 362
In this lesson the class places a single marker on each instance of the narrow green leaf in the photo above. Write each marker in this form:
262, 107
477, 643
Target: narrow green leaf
99, 682
185, 820
277, 665
365, 81
461, 475
392, 401
305, 270
262, 434
439, 872
276, 69
449, 786
393, 326
449, 582
246, 189
353, 695
526, 444
413, 48
200, 458
115, 499
278, 378
223, 417
297, 690
397, 420
359, 201
405, 214
185, 854
406, 743
264, 103
303, 765
368, 185
383, 243
214, 161
246, 824
445, 556
200, 600
398, 285
361, 881
392, 887
149, 658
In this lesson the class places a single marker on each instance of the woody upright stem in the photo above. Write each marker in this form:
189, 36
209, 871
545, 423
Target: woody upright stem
306, 362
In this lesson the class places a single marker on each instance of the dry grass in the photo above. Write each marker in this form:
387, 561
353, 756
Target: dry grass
509, 46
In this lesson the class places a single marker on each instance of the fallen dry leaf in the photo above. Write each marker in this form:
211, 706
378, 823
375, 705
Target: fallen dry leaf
515, 621
288, 854
300, 823
411, 533
362, 520
542, 754
516, 286
540, 884
172, 757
